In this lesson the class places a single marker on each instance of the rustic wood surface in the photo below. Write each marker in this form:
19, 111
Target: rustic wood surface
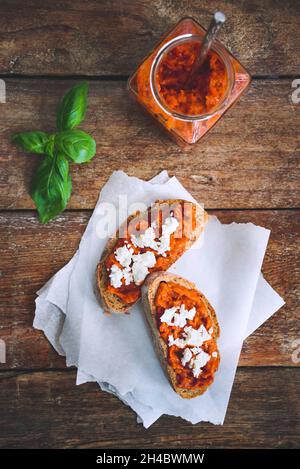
245, 169
110, 37
44, 403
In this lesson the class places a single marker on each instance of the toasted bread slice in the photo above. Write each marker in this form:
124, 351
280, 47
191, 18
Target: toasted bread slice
110, 302
149, 290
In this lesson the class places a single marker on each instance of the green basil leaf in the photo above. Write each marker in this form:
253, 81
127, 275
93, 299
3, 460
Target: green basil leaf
49, 147
35, 141
77, 145
51, 187
72, 108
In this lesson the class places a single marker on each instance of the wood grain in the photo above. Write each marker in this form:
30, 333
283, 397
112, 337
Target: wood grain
111, 37
31, 253
240, 164
46, 409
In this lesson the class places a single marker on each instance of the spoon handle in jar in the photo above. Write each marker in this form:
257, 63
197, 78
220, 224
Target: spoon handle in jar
217, 21
211, 34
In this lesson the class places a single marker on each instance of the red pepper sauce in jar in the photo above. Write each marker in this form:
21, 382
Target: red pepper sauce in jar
207, 88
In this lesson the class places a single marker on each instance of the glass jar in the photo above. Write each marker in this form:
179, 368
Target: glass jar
161, 83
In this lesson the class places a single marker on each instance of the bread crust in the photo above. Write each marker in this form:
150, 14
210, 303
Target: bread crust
112, 303
149, 290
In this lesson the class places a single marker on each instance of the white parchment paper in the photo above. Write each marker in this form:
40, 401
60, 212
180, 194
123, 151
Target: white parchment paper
116, 351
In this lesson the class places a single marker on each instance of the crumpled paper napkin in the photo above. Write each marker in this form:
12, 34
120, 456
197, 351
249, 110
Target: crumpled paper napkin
116, 351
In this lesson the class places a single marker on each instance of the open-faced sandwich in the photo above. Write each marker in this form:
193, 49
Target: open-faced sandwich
147, 242
184, 330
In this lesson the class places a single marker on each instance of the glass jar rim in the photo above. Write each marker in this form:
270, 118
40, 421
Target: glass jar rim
163, 50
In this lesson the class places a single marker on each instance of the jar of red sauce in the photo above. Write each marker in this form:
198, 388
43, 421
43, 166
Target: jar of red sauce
187, 108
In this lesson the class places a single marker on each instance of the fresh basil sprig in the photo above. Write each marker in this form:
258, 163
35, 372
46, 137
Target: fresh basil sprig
51, 186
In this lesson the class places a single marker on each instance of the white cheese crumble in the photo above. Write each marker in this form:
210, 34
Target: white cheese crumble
116, 276
199, 362
180, 343
172, 317
191, 336
147, 259
169, 227
124, 255
187, 355
148, 238
135, 266
139, 272
196, 337
141, 262
127, 275
188, 313
196, 350
214, 354
168, 315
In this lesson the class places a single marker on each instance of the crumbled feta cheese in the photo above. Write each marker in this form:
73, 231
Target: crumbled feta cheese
124, 255
163, 246
168, 315
190, 314
116, 276
148, 238
214, 354
187, 355
127, 274
178, 318
178, 342
198, 362
140, 272
191, 336
140, 265
147, 258
136, 272
195, 363
211, 330
170, 226
171, 340
196, 337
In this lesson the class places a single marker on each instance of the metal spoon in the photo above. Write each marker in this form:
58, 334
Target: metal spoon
217, 21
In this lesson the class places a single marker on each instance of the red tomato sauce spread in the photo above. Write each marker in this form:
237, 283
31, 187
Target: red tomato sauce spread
171, 294
186, 216
206, 89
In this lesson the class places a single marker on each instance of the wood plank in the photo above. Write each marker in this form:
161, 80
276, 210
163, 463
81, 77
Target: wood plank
46, 409
111, 37
240, 164
32, 253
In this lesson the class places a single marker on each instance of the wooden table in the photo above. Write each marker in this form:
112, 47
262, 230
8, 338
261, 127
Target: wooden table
246, 169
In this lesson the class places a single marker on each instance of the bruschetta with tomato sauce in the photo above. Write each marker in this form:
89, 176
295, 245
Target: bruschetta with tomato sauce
147, 242
184, 330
